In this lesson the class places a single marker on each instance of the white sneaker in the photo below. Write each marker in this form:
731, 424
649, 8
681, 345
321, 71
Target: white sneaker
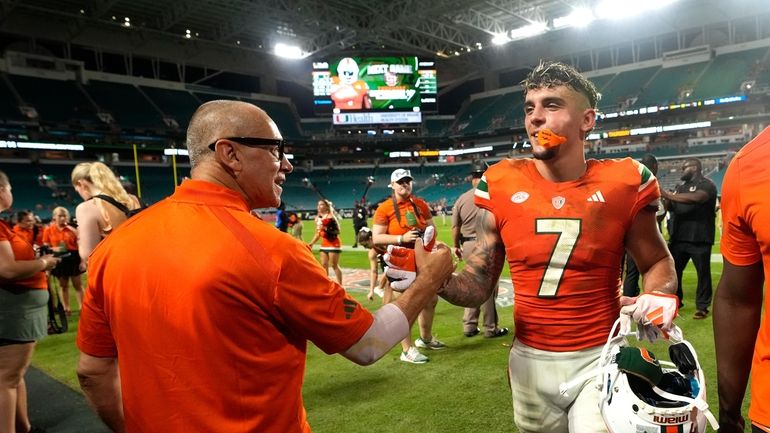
432, 344
379, 292
413, 356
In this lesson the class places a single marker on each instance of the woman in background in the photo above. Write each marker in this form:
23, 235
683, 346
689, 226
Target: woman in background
97, 217
328, 230
23, 316
60, 236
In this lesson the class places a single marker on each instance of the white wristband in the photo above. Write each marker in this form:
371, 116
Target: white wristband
400, 239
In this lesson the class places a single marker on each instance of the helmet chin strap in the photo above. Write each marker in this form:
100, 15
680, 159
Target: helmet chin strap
701, 404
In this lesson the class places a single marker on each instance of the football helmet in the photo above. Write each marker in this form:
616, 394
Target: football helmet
347, 70
640, 393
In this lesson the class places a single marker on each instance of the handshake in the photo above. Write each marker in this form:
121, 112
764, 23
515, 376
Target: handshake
402, 263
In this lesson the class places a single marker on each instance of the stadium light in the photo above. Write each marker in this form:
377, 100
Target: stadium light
501, 39
288, 51
528, 31
619, 9
580, 18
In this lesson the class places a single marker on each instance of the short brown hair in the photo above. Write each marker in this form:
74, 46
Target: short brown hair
554, 74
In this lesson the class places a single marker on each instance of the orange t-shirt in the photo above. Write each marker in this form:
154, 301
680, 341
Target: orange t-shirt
746, 241
385, 215
211, 330
29, 234
55, 237
22, 250
564, 243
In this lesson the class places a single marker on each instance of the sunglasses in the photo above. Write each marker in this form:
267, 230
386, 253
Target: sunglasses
257, 142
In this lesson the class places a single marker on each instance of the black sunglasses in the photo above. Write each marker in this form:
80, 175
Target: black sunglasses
256, 142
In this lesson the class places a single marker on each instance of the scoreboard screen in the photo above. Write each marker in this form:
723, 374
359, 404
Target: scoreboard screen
372, 85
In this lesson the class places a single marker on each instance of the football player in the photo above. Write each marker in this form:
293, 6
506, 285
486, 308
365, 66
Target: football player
349, 92
741, 331
564, 223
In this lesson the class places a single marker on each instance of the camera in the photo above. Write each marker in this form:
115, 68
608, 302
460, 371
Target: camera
45, 249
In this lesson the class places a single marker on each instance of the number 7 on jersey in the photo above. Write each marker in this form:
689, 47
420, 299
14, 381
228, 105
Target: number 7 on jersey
569, 233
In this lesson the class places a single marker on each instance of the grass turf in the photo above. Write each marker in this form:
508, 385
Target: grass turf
462, 389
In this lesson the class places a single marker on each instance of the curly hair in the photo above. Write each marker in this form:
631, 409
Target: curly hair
554, 74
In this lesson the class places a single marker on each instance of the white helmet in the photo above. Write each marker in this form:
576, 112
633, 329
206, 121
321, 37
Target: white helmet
640, 394
347, 70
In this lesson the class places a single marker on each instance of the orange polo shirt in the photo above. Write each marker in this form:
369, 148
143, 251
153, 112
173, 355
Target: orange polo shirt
55, 236
746, 241
211, 330
22, 250
385, 215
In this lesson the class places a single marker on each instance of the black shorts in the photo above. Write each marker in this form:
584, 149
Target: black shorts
69, 266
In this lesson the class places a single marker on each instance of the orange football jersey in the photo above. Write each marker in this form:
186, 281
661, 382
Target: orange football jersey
564, 242
746, 241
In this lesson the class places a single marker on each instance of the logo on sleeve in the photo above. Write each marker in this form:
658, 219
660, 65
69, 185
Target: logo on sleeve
520, 197
350, 307
558, 201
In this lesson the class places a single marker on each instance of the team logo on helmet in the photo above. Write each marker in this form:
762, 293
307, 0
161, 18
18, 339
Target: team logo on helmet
641, 393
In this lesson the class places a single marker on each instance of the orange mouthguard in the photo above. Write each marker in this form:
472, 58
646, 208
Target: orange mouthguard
548, 138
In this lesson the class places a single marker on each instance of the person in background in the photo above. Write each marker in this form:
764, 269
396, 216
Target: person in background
741, 331
693, 209
328, 230
96, 216
282, 218
464, 215
631, 280
25, 228
400, 220
61, 237
23, 317
374, 254
360, 216
295, 225
211, 330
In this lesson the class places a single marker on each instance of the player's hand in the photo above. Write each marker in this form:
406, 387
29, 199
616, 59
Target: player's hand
654, 313
370, 295
402, 266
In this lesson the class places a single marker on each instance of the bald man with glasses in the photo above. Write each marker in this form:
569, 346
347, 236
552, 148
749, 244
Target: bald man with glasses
208, 309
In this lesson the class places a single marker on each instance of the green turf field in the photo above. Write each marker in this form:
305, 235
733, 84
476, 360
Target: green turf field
462, 389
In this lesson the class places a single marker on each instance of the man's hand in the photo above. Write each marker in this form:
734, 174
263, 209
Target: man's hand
654, 313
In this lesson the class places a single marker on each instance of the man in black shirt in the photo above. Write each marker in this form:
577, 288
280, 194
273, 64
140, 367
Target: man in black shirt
693, 211
360, 215
631, 280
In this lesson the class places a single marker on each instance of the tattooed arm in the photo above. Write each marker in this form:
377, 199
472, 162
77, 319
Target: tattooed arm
475, 283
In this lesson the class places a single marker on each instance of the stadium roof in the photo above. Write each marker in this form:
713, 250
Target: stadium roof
458, 31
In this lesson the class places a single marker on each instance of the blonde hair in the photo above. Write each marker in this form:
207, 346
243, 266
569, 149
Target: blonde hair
62, 210
103, 179
4, 181
328, 205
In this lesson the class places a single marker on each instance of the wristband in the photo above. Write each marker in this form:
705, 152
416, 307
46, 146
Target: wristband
45, 265
400, 239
